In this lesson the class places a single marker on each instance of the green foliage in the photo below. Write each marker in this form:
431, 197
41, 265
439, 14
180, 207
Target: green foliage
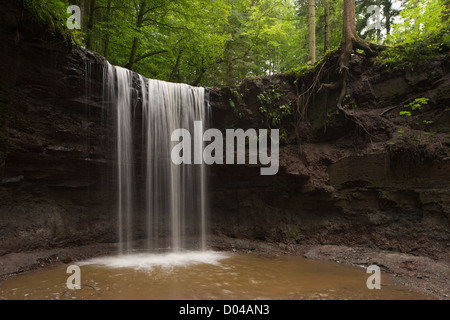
420, 35
335, 24
236, 103
51, 14
303, 70
273, 110
414, 106
419, 20
292, 233
174, 40
262, 40
220, 42
424, 48
417, 104
200, 42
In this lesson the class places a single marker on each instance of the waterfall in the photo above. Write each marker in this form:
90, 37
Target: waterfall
170, 205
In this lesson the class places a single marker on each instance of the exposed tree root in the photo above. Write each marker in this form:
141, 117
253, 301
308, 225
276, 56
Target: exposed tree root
307, 92
351, 44
304, 99
371, 50
387, 110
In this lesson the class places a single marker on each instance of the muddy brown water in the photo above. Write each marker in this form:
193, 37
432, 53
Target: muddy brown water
203, 276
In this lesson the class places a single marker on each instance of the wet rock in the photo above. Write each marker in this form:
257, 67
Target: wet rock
67, 260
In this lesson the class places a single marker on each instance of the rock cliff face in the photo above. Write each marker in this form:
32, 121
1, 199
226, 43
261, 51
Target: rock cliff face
54, 176
368, 178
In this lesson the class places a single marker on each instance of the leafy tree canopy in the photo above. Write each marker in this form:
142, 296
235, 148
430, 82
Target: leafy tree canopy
219, 42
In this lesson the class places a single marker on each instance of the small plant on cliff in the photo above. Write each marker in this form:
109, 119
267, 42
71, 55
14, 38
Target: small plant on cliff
273, 110
413, 106
291, 234
417, 105
236, 103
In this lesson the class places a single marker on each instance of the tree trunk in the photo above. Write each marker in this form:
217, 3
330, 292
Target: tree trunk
90, 25
377, 19
351, 39
133, 53
312, 32
82, 5
351, 42
387, 12
139, 24
199, 77
388, 29
349, 32
326, 7
228, 66
108, 34
177, 65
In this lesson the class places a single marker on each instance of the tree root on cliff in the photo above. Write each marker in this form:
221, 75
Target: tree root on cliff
307, 92
371, 50
304, 98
